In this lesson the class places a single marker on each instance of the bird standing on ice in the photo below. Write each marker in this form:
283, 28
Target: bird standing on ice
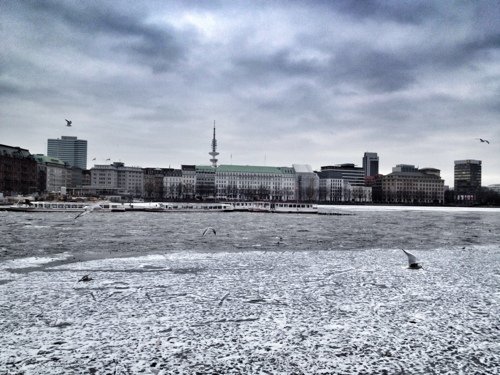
412, 261
86, 278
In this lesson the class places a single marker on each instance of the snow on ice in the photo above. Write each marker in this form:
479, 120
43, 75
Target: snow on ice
280, 312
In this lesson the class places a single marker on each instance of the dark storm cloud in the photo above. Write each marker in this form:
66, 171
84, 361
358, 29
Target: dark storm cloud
159, 47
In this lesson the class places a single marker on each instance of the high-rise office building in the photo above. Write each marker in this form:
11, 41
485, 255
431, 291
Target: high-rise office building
70, 150
370, 164
467, 179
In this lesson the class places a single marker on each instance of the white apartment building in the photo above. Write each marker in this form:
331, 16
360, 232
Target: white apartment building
173, 184
57, 173
117, 178
57, 178
189, 181
244, 182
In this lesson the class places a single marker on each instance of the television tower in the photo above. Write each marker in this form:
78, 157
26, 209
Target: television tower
214, 152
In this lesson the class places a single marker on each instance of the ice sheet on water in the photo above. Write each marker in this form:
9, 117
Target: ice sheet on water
248, 312
358, 208
31, 261
164, 297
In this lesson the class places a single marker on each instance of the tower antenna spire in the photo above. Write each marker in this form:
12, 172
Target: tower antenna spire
214, 152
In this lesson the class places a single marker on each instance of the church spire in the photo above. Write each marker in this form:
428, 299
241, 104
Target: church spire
214, 152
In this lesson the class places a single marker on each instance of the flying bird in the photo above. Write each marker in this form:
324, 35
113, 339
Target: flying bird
209, 229
87, 210
412, 261
85, 278
68, 122
483, 140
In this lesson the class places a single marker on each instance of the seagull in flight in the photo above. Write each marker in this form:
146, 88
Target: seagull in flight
412, 261
68, 122
87, 210
483, 140
209, 229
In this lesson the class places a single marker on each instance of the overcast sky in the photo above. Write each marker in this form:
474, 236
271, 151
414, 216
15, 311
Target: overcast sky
287, 82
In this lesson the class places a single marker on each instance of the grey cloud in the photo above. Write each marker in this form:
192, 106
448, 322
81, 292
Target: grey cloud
277, 63
472, 50
376, 71
159, 47
8, 89
347, 87
481, 44
412, 12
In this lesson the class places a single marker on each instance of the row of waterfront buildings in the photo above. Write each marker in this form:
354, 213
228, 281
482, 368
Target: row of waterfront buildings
63, 170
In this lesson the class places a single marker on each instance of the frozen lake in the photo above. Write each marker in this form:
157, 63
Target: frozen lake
332, 296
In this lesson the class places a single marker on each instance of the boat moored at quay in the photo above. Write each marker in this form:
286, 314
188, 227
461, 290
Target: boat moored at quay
107, 206
295, 208
179, 207
40, 206
277, 207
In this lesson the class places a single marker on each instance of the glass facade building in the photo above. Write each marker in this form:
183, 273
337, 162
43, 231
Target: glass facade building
370, 164
70, 150
467, 179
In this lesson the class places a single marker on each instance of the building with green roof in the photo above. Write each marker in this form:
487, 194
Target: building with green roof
243, 182
250, 182
44, 159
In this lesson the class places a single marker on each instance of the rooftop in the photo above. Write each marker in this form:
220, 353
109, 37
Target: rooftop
14, 151
254, 169
40, 158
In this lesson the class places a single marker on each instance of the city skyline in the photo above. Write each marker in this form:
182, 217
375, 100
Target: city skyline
303, 82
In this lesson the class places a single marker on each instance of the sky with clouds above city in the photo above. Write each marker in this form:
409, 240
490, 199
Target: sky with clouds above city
287, 82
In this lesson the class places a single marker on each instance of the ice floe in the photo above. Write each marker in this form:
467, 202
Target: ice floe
308, 312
